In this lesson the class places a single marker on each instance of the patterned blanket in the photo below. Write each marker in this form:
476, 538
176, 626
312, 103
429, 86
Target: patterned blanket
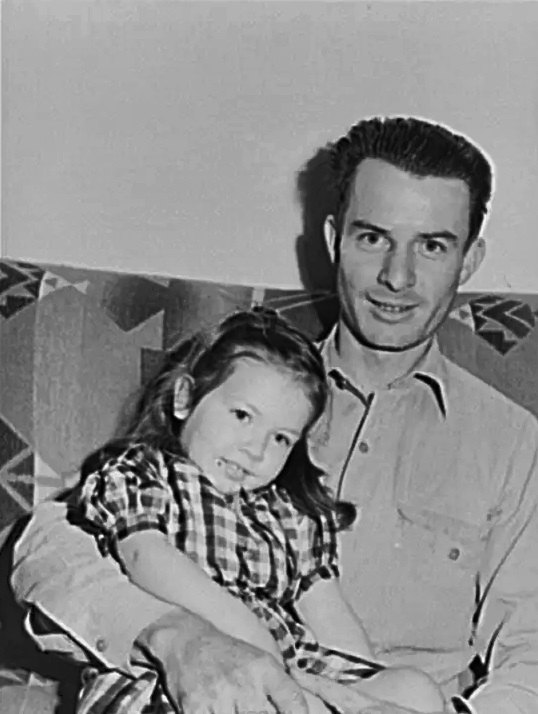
76, 343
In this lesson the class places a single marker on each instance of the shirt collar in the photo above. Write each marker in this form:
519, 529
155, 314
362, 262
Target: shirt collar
191, 470
431, 370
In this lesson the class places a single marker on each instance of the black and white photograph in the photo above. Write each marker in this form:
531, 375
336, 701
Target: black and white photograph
269, 357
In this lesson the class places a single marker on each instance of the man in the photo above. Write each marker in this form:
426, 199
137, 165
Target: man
443, 469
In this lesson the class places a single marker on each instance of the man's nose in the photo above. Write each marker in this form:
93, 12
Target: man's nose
398, 272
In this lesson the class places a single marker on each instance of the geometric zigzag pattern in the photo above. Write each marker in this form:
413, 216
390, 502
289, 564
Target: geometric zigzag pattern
503, 322
16, 474
19, 286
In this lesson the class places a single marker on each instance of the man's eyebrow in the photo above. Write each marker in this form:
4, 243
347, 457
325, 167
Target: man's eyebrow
366, 225
448, 235
360, 223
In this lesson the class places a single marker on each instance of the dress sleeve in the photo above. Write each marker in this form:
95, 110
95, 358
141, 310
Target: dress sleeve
129, 493
313, 543
321, 561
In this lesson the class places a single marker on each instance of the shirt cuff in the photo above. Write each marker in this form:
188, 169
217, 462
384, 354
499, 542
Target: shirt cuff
130, 615
115, 648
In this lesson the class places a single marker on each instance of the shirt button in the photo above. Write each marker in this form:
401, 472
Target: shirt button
454, 553
363, 447
101, 644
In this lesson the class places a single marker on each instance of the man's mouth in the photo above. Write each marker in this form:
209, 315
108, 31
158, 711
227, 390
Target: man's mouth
391, 308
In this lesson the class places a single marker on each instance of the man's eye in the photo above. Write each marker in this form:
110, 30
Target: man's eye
241, 415
371, 241
434, 247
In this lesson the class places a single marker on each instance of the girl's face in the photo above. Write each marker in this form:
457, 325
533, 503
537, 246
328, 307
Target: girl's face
241, 434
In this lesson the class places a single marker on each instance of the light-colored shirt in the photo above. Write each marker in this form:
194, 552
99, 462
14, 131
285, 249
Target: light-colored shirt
444, 471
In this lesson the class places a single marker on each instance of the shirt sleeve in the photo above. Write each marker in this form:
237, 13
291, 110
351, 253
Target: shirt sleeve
94, 609
318, 555
130, 493
509, 585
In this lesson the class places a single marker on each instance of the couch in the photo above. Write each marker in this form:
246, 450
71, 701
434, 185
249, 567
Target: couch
76, 343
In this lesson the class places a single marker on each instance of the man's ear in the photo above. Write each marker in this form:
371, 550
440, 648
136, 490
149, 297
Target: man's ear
329, 233
182, 397
472, 260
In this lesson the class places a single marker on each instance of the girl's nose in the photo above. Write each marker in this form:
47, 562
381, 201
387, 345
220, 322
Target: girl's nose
255, 447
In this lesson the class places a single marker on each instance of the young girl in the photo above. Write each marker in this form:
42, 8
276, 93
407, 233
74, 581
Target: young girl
210, 501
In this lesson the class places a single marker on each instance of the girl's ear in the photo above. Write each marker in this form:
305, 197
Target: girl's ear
182, 396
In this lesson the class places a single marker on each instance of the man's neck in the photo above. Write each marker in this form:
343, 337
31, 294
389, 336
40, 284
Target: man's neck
372, 369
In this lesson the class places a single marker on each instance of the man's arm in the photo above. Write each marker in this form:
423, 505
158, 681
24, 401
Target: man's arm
332, 621
512, 598
59, 571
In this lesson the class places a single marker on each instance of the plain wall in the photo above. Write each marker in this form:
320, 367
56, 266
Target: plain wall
164, 136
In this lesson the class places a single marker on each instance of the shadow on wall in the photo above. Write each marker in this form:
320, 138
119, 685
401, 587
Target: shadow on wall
317, 198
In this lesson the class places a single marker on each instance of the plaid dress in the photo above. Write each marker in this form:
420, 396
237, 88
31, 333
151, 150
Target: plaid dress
256, 544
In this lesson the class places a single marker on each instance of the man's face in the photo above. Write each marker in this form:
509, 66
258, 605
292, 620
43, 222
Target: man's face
401, 254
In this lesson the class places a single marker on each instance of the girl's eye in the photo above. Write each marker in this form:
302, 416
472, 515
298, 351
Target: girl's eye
283, 440
241, 415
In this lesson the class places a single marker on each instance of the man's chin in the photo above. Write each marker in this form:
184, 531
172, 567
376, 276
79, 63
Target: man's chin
391, 349
380, 338
391, 343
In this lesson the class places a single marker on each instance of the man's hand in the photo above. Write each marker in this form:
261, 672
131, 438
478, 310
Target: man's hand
208, 672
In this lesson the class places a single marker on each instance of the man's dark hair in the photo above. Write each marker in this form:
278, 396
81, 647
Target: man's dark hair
419, 147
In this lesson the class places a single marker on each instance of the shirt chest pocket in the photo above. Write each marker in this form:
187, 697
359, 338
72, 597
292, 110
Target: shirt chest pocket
439, 546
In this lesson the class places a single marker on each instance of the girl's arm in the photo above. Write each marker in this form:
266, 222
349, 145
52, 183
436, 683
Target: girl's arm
331, 619
159, 568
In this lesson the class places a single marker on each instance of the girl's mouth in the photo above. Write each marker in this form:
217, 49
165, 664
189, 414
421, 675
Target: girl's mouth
232, 470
